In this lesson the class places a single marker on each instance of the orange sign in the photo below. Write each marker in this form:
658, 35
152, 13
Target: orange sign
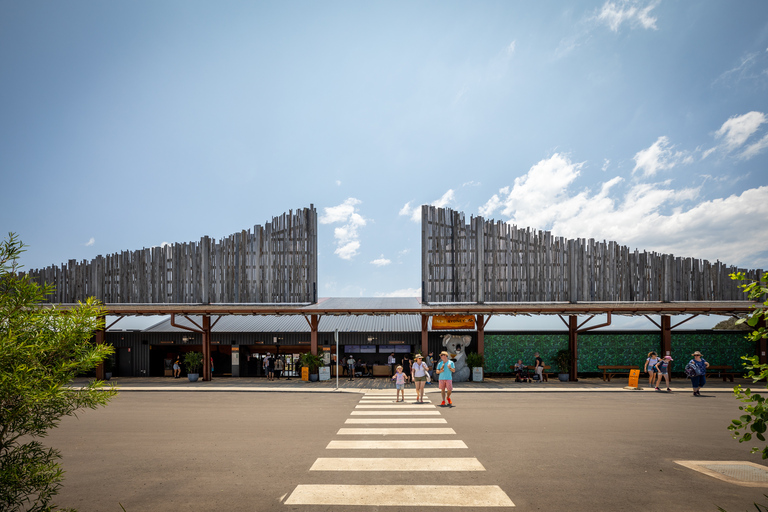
634, 375
453, 322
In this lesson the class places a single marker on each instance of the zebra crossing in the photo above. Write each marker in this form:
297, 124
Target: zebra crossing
384, 418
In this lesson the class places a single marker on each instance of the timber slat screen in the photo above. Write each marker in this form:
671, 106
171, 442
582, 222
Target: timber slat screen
488, 261
276, 263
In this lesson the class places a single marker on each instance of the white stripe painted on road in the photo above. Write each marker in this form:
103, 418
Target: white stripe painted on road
400, 495
394, 406
397, 413
395, 431
394, 445
414, 421
384, 400
392, 464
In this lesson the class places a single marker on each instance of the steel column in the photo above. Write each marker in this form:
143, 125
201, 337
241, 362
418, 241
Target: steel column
424, 335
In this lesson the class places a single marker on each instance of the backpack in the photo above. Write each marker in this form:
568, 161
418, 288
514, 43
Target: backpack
690, 369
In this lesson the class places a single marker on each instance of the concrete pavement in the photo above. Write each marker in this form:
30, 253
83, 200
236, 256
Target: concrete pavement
361, 385
169, 451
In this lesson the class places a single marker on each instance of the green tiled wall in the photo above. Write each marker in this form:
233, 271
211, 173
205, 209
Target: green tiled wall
630, 348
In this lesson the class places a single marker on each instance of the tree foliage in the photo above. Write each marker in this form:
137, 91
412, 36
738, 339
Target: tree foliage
42, 349
754, 421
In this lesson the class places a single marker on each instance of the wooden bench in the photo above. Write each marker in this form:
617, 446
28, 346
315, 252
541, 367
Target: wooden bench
613, 370
545, 374
724, 371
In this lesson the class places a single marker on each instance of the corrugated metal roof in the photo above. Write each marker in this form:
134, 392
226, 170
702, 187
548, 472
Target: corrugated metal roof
372, 303
296, 323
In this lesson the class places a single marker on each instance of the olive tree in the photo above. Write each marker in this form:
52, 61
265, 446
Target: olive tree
42, 349
754, 421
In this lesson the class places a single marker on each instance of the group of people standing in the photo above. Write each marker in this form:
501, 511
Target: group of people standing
273, 366
421, 372
658, 369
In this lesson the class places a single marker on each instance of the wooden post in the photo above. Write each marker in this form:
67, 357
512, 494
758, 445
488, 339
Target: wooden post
206, 348
666, 335
480, 335
100, 340
573, 326
314, 321
762, 343
424, 335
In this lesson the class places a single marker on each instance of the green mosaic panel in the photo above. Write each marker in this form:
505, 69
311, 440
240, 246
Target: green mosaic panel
616, 349
503, 350
719, 348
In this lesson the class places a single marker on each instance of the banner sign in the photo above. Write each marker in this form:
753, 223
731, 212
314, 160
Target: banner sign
440, 322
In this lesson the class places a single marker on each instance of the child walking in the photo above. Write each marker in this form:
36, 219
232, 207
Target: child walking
663, 369
399, 378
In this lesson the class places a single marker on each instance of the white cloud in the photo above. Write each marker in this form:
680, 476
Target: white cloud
737, 129
755, 148
533, 196
445, 200
381, 261
614, 14
90, 242
647, 216
708, 152
338, 183
415, 213
403, 292
511, 48
347, 236
606, 163
660, 156
752, 66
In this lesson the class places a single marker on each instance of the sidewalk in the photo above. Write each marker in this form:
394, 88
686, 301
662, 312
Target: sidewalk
362, 385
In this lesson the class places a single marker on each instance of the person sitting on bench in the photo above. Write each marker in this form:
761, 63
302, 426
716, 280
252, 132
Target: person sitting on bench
521, 372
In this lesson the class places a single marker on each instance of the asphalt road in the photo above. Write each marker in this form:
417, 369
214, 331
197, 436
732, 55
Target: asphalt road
172, 451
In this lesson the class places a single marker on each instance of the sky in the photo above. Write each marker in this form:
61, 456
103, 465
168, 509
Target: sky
132, 124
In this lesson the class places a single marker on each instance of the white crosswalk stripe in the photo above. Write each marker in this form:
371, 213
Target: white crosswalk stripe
395, 464
378, 408
385, 421
396, 413
396, 445
394, 406
427, 431
401, 495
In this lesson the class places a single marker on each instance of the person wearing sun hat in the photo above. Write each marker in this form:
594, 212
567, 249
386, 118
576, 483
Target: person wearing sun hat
445, 369
419, 371
700, 365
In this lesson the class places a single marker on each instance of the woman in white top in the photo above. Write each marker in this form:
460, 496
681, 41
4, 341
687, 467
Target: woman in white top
419, 371
650, 367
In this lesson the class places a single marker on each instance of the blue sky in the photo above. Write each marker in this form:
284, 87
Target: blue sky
128, 124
